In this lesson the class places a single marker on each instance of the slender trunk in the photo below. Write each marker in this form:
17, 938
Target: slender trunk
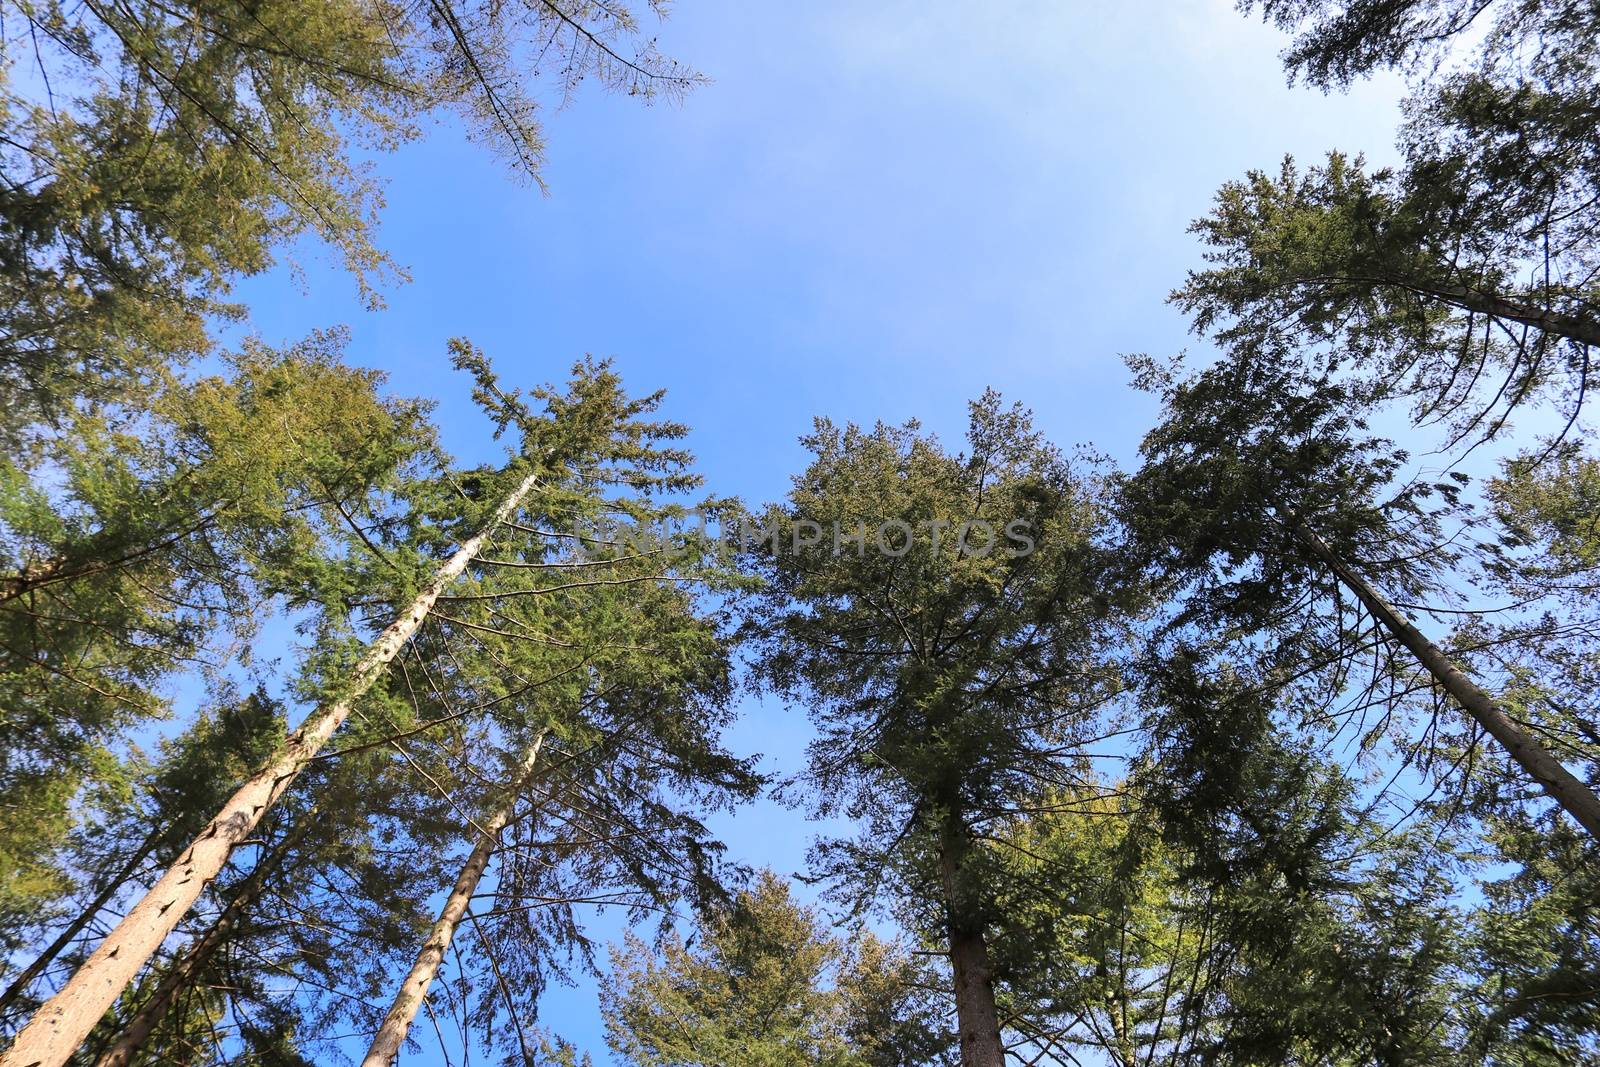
41, 962
56, 569
1574, 796
181, 974
1117, 1012
385, 1047
977, 1018
1557, 323
40, 572
59, 1027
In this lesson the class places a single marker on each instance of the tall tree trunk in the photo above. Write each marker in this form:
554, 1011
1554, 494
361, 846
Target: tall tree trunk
181, 974
88, 561
977, 1018
60, 1025
1117, 1013
1574, 796
385, 1047
1577, 328
108, 889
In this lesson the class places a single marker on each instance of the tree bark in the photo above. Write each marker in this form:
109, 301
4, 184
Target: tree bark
62, 568
1579, 328
1117, 1013
1560, 324
60, 1025
1574, 796
41, 962
977, 1017
408, 999
181, 974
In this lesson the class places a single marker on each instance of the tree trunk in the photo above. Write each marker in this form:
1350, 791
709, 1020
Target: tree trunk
62, 568
385, 1047
60, 1025
1557, 323
41, 962
1117, 1013
182, 973
1574, 796
977, 1018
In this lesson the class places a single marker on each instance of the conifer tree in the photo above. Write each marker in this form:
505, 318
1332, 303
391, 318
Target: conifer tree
1260, 501
169, 149
1462, 280
579, 436
1232, 901
961, 653
764, 982
609, 729
182, 975
166, 807
159, 555
309, 921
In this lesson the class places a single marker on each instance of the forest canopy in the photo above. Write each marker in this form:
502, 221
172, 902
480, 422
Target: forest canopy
1270, 741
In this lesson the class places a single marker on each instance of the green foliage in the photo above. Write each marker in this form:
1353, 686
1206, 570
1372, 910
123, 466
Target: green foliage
1341, 42
942, 678
173, 148
1257, 919
152, 554
1463, 279
1247, 454
594, 622
765, 983
1330, 936
1237, 898
1537, 946
1549, 507
950, 674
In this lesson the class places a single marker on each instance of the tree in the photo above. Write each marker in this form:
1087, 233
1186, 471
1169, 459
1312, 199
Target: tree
582, 432
162, 152
154, 555
413, 988
166, 807
1259, 499
1230, 902
1464, 279
610, 734
169, 149
764, 983
1536, 945
182, 975
532, 630
956, 655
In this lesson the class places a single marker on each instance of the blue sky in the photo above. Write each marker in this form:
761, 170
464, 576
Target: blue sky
873, 211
